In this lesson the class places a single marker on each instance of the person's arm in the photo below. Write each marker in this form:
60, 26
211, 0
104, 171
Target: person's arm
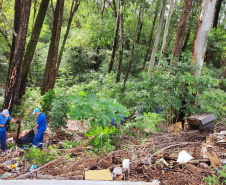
13, 120
2, 125
35, 126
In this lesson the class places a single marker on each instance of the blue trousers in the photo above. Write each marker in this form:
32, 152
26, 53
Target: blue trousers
3, 139
39, 138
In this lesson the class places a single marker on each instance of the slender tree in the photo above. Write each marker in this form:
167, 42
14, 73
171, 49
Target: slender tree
203, 27
74, 8
120, 43
50, 70
181, 30
152, 30
152, 61
217, 12
133, 47
140, 30
114, 44
30, 50
97, 61
171, 9
13, 82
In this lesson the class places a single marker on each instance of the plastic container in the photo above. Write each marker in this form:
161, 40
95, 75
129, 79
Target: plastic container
148, 162
125, 163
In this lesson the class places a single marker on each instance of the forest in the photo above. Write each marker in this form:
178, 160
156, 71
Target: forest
140, 65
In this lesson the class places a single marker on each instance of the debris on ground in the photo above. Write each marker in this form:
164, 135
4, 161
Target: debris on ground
170, 158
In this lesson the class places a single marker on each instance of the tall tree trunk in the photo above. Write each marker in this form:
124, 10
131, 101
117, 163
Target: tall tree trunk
171, 9
74, 8
13, 82
139, 32
152, 61
115, 10
30, 50
203, 27
151, 34
194, 10
186, 39
50, 70
133, 47
120, 43
17, 14
181, 30
217, 12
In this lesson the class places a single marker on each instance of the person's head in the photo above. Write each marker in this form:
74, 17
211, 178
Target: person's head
5, 113
37, 111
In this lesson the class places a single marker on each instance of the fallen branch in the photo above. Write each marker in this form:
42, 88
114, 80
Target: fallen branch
110, 155
52, 162
178, 144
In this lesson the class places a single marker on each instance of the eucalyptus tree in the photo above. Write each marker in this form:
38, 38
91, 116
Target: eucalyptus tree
171, 9
204, 24
152, 30
157, 37
210, 53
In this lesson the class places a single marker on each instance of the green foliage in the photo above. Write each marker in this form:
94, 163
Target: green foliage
102, 141
47, 100
35, 155
11, 145
28, 103
58, 113
149, 121
70, 144
217, 180
213, 101
1, 100
97, 110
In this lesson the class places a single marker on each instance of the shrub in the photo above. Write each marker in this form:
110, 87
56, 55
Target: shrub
97, 110
35, 155
47, 100
58, 113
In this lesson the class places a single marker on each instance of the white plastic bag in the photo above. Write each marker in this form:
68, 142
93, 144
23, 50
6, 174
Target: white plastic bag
184, 157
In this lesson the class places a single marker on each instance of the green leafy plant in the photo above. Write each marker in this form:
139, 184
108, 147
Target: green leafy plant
70, 144
97, 110
149, 122
102, 139
35, 155
217, 180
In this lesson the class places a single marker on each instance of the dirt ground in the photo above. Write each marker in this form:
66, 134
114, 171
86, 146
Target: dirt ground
165, 146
